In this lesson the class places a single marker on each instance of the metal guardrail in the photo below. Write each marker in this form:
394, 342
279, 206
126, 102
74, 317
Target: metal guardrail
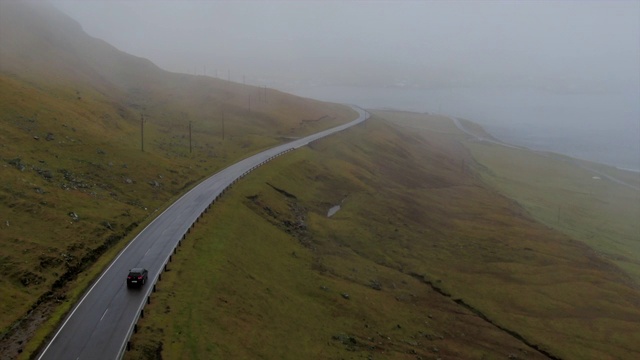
262, 158
140, 312
126, 345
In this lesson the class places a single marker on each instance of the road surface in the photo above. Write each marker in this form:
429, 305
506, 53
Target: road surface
100, 325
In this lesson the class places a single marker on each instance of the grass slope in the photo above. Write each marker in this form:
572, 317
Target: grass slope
75, 183
570, 198
423, 260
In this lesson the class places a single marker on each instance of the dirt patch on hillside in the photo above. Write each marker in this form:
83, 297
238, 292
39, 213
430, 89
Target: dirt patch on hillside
13, 343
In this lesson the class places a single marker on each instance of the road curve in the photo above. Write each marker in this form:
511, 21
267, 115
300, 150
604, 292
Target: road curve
101, 323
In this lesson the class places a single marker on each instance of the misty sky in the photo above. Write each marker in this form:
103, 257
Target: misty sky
565, 45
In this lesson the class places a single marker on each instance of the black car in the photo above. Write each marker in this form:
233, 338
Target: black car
137, 277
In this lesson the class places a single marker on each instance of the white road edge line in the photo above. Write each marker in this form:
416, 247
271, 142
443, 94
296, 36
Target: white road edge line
104, 272
105, 313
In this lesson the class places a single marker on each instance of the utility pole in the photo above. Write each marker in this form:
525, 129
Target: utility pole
222, 124
142, 132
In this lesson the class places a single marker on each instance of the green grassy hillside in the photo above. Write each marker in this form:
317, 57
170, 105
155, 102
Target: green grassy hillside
572, 199
423, 260
596, 204
442, 248
76, 185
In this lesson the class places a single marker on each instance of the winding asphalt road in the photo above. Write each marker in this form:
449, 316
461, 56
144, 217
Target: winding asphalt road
100, 325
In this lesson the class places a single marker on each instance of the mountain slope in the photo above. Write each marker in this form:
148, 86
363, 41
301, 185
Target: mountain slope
422, 260
75, 184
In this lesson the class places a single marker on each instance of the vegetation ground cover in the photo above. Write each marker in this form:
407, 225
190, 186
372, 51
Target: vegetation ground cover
570, 195
422, 260
570, 198
76, 184
443, 247
75, 114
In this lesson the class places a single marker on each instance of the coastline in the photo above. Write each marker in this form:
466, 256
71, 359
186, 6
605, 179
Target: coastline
599, 128
578, 162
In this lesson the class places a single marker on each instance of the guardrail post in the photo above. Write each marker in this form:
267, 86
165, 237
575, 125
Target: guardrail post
128, 345
135, 328
148, 299
154, 285
142, 313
